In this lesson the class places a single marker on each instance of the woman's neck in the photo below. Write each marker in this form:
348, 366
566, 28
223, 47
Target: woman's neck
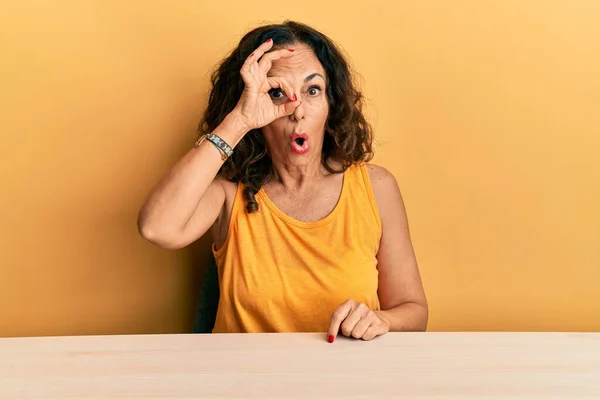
296, 178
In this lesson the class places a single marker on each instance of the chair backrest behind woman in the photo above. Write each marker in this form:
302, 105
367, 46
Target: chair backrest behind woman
206, 311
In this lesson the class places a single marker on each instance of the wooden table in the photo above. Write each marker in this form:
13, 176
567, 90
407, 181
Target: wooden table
303, 366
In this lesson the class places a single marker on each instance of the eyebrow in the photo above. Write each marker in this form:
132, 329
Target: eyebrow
312, 76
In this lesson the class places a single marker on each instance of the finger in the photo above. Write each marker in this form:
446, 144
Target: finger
361, 326
284, 85
371, 333
291, 99
337, 317
287, 108
352, 319
266, 62
258, 52
378, 327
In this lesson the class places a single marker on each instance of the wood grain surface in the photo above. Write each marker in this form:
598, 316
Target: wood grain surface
303, 366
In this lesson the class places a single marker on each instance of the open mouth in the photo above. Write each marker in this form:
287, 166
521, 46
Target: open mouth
299, 143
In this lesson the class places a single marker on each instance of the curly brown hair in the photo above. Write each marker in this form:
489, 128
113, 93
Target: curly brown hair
348, 136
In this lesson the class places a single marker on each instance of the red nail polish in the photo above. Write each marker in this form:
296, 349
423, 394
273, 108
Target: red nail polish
330, 339
251, 54
292, 50
269, 40
294, 98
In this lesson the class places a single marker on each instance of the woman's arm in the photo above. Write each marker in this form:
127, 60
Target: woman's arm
188, 199
401, 294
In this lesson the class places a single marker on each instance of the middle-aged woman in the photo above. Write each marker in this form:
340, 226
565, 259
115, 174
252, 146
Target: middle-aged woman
308, 237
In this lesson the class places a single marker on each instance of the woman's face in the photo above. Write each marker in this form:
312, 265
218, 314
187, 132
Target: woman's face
297, 139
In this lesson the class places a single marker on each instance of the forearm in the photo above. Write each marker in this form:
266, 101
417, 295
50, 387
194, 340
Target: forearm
406, 317
173, 201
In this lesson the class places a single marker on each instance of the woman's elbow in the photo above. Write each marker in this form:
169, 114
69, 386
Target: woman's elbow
424, 317
157, 236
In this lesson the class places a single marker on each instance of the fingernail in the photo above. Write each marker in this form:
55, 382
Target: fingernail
292, 50
330, 339
294, 98
269, 40
251, 54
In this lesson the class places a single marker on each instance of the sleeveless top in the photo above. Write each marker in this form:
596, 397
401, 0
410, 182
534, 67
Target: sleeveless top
278, 274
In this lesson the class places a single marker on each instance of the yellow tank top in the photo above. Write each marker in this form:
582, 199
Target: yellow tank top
278, 274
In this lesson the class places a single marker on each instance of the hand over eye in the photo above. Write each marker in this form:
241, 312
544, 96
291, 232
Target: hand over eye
256, 107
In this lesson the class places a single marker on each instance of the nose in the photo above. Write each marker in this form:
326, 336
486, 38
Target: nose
298, 113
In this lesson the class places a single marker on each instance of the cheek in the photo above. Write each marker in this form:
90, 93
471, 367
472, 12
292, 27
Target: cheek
274, 131
318, 108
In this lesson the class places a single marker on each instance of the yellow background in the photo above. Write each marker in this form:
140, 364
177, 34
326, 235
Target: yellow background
487, 112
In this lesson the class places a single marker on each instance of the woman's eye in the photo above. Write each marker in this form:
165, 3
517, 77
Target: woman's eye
276, 93
314, 90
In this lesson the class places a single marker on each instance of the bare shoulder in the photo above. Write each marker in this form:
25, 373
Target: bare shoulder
385, 189
383, 181
380, 175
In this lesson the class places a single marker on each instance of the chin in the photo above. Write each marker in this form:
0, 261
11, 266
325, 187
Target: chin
299, 160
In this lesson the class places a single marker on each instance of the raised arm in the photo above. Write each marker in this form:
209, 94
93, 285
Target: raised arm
190, 197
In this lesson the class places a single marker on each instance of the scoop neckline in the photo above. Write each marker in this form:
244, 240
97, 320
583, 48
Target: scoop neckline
301, 224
